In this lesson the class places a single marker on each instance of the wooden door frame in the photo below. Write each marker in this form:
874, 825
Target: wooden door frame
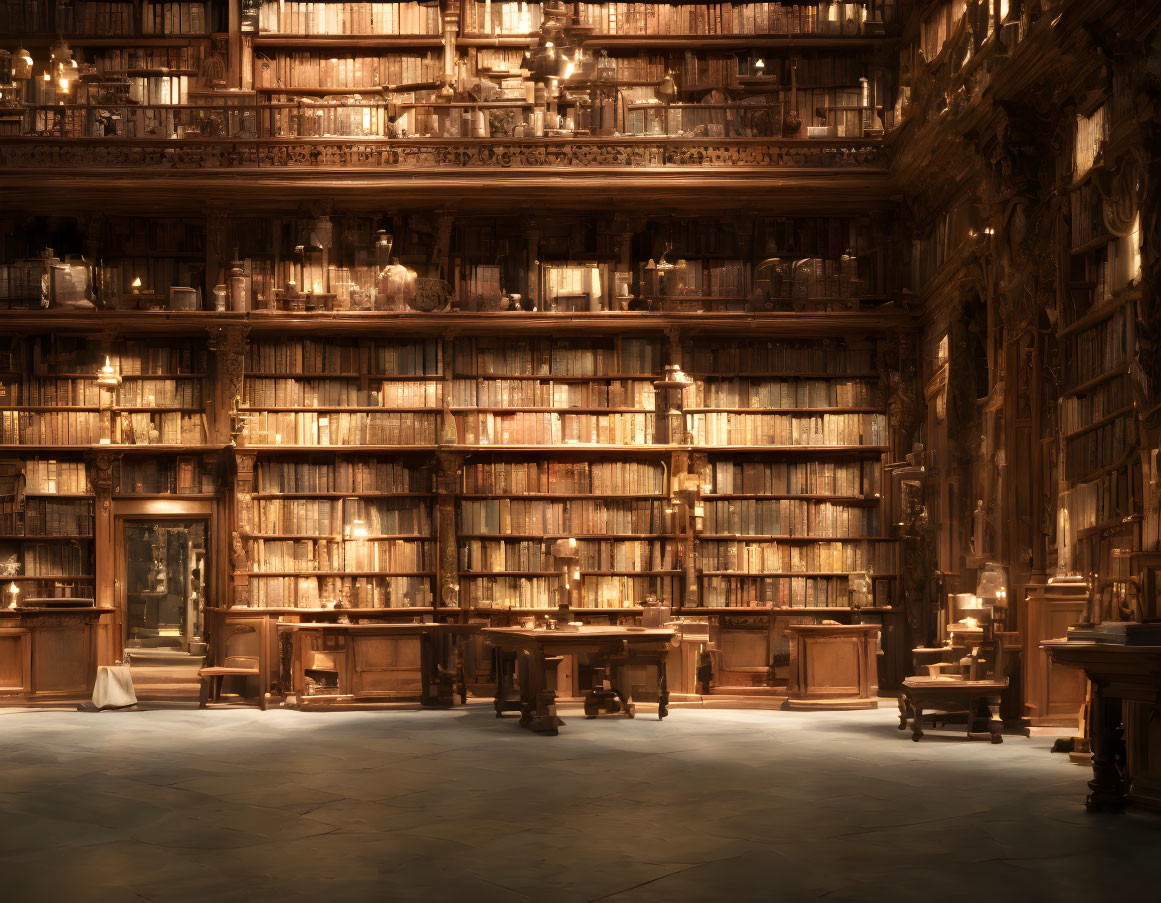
161, 510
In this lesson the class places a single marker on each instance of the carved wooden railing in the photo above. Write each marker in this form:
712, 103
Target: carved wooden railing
410, 154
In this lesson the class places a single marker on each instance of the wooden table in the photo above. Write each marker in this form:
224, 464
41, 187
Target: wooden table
329, 664
1126, 701
833, 667
48, 653
978, 700
529, 657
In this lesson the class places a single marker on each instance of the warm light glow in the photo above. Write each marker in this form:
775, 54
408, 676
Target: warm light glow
64, 84
358, 529
136, 283
47, 76
15, 591
970, 622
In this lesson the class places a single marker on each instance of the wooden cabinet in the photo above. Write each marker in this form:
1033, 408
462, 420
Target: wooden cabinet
1053, 693
47, 653
833, 666
333, 664
15, 661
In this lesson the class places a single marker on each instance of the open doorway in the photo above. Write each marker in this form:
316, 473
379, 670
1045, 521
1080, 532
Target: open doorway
165, 573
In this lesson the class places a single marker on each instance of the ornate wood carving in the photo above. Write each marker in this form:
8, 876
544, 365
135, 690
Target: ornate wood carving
419, 153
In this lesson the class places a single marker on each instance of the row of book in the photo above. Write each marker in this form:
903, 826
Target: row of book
787, 393
341, 428
345, 475
187, 475
159, 428
184, 18
856, 479
340, 393
1100, 501
55, 559
550, 428
1098, 448
160, 393
624, 556
806, 278
309, 69
782, 557
500, 17
789, 517
336, 517
21, 281
783, 592
839, 18
1080, 411
563, 478
784, 429
1095, 351
352, 592
355, 556
310, 356
48, 517
1086, 207
350, 117
120, 60
23, 17
800, 359
528, 393
55, 428
49, 477
494, 357
604, 591
396, 18
579, 517
46, 392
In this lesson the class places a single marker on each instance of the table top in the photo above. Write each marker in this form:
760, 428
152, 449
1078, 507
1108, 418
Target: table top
834, 628
55, 611
953, 683
594, 632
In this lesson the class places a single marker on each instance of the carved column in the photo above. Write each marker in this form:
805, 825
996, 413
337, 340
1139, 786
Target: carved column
228, 344
111, 627
447, 557
244, 523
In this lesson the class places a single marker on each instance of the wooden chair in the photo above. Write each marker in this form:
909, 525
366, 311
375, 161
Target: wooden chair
242, 651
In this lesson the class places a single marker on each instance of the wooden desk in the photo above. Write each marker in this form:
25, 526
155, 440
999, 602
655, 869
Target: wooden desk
977, 700
328, 664
1123, 722
833, 666
48, 653
534, 654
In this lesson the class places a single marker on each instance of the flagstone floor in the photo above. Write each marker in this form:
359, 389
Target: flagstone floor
234, 804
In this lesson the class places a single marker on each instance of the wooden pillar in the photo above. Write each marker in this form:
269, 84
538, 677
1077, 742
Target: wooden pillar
110, 628
228, 344
447, 555
242, 526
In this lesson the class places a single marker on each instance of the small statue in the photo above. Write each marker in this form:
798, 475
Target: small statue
448, 434
238, 553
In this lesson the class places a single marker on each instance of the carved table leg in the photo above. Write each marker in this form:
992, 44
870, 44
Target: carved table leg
662, 689
1107, 785
995, 722
903, 711
916, 720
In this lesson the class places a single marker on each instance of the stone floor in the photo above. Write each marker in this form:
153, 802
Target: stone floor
238, 805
